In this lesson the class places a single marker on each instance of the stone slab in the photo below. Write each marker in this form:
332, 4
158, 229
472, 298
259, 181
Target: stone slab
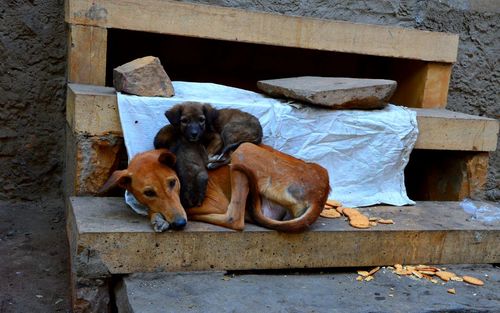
430, 232
305, 292
332, 92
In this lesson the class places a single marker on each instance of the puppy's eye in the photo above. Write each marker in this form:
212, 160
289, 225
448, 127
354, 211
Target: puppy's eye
150, 193
184, 120
202, 119
171, 183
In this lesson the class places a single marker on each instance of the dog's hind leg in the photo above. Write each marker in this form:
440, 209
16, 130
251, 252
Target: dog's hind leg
234, 217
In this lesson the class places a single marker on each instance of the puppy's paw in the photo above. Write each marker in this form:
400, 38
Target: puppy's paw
217, 164
213, 158
159, 223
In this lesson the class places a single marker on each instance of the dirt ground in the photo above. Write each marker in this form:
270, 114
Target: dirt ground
34, 271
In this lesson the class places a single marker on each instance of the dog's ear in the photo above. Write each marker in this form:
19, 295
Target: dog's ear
118, 179
211, 115
166, 157
174, 115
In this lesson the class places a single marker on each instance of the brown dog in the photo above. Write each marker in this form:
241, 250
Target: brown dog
153, 182
261, 184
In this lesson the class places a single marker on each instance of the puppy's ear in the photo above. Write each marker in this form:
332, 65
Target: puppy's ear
174, 115
166, 157
120, 179
211, 115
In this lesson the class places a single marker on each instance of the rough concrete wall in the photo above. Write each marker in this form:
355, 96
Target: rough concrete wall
32, 78
476, 74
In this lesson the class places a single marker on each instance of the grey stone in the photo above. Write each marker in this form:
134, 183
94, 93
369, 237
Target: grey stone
334, 92
143, 77
334, 291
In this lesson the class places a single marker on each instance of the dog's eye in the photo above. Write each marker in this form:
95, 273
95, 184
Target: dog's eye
202, 119
171, 183
184, 120
150, 193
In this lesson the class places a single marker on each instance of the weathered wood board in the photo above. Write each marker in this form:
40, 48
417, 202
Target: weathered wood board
215, 22
87, 46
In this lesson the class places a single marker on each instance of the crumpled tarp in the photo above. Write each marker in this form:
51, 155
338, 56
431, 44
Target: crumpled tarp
365, 152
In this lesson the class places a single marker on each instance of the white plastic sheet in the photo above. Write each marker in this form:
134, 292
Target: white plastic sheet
365, 152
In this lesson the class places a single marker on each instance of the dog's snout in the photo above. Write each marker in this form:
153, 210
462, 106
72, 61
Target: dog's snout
193, 133
178, 223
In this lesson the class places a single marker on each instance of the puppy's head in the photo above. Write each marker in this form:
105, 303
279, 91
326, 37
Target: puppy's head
192, 119
153, 182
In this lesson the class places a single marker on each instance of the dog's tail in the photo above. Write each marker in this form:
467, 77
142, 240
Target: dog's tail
297, 224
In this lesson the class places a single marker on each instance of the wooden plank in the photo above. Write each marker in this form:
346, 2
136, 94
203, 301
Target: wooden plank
95, 112
87, 54
205, 21
422, 85
448, 130
428, 233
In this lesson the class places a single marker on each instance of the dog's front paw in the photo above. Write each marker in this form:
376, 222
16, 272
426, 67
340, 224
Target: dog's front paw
159, 223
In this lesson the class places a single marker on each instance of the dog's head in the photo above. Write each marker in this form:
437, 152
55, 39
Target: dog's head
153, 182
193, 119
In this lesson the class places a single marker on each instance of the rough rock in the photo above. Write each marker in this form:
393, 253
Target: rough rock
334, 92
143, 77
90, 160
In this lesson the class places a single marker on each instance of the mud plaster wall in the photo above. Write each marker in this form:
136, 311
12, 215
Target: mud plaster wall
32, 80
32, 68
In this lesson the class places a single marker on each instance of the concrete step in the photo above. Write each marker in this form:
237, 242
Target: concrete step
312, 292
107, 237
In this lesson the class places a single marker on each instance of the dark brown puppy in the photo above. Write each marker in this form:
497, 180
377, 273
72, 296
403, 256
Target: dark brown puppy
189, 121
220, 131
231, 127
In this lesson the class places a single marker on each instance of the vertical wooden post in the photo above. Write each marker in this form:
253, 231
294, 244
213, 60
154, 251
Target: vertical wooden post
87, 54
421, 84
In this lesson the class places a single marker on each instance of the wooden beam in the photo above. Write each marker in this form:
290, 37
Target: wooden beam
93, 110
448, 130
87, 55
214, 22
422, 85
427, 233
